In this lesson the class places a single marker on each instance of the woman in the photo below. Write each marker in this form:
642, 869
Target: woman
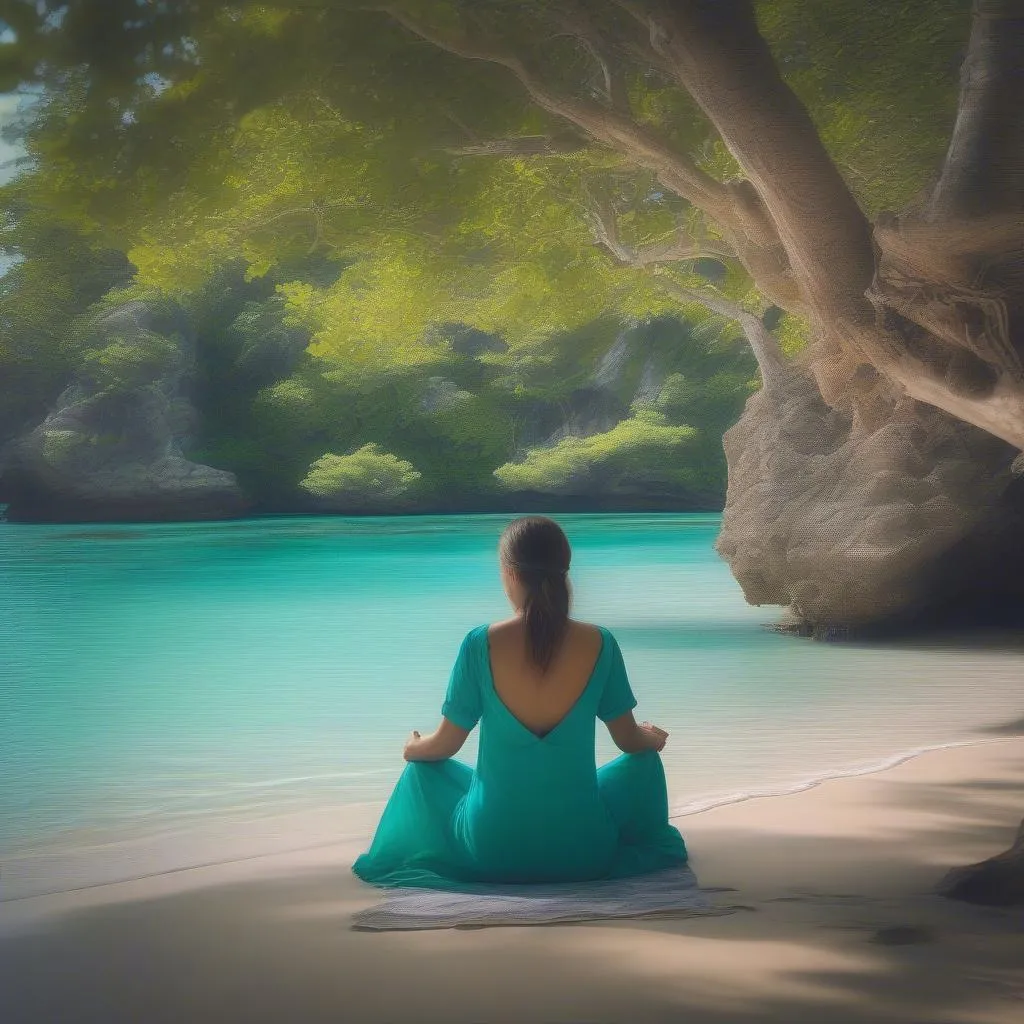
537, 809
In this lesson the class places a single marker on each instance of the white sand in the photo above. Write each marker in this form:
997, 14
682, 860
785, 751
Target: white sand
820, 873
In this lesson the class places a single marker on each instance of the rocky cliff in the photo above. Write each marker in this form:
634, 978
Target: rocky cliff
112, 446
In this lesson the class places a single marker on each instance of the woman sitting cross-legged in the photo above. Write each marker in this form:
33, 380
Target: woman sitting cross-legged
537, 808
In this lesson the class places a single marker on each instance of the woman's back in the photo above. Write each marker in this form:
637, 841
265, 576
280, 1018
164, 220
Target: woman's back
540, 699
534, 805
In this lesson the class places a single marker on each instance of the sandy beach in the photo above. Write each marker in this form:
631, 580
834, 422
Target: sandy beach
834, 921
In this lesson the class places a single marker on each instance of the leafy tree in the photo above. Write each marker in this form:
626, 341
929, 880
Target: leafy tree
464, 157
457, 162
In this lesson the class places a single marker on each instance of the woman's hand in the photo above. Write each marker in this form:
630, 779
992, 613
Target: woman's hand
444, 742
411, 745
654, 736
632, 737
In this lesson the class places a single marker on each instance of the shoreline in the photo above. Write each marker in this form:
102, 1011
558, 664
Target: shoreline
367, 812
544, 505
813, 782
833, 919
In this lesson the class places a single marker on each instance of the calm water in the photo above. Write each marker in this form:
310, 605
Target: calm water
181, 693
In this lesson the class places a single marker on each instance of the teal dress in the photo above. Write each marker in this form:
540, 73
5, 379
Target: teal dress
536, 809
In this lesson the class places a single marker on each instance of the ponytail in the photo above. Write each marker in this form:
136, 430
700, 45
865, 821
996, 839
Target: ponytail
547, 615
538, 553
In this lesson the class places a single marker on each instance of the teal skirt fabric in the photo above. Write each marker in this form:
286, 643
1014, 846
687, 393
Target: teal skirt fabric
536, 809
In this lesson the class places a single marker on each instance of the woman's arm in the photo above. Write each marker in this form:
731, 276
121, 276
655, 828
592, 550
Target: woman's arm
632, 738
445, 741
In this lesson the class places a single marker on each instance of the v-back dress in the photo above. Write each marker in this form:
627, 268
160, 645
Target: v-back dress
537, 808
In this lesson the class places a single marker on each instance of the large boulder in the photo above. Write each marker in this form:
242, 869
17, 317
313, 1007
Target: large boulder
113, 446
853, 527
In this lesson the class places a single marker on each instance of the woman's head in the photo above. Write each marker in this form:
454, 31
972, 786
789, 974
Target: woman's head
535, 556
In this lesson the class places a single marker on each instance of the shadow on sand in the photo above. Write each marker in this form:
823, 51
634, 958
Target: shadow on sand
868, 943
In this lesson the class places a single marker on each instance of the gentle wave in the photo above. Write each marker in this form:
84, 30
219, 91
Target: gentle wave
710, 804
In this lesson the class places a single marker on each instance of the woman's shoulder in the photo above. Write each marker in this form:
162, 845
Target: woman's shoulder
507, 634
514, 624
591, 627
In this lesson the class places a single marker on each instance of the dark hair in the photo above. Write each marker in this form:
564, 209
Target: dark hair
537, 552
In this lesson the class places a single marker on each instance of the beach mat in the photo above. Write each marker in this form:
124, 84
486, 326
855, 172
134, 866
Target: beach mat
674, 891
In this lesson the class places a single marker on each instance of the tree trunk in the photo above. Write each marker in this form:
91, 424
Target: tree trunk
984, 169
941, 340
860, 483
724, 63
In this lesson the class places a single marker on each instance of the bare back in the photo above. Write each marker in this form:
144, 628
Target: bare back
540, 700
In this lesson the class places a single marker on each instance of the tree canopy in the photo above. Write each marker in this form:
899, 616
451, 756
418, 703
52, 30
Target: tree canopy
524, 169
188, 134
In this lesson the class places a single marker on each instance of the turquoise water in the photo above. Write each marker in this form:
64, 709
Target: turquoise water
223, 689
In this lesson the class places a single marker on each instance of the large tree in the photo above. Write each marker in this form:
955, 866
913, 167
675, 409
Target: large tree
527, 167
687, 99
929, 304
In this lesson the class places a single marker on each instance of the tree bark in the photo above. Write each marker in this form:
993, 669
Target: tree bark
984, 167
724, 63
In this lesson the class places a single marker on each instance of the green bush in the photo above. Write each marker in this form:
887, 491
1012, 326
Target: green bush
126, 363
643, 446
369, 474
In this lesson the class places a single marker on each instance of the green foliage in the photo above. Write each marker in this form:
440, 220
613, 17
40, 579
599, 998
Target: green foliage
287, 177
793, 333
676, 397
643, 447
880, 81
127, 363
369, 474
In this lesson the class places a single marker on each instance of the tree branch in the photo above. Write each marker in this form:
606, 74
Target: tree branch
736, 208
984, 168
722, 60
770, 359
646, 57
604, 225
655, 30
578, 23
674, 169
767, 351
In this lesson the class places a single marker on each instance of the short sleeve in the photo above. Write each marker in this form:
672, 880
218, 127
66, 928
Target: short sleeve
617, 697
462, 701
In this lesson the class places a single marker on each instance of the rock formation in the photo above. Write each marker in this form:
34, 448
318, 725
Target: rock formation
851, 526
113, 448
